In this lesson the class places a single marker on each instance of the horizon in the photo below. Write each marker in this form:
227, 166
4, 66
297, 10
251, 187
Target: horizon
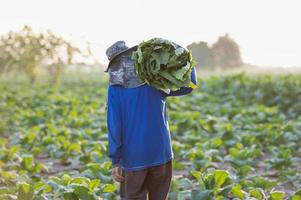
266, 31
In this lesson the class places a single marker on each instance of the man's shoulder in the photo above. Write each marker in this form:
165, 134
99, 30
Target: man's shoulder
120, 87
114, 87
144, 88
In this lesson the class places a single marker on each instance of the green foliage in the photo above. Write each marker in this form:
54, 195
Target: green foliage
163, 64
238, 192
24, 51
235, 137
215, 183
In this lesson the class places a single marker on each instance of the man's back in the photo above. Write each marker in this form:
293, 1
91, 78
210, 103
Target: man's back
138, 128
142, 124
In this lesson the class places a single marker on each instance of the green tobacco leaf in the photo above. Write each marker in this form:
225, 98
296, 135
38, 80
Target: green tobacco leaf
196, 174
164, 57
257, 193
184, 195
66, 179
38, 185
81, 180
171, 78
263, 183
95, 167
25, 191
94, 184
8, 175
277, 195
179, 51
75, 147
27, 162
82, 192
238, 192
296, 197
109, 188
70, 196
185, 183
220, 176
201, 194
12, 151
57, 181
179, 74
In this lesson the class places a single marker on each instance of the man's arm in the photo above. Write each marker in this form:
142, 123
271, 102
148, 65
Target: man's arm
114, 126
185, 90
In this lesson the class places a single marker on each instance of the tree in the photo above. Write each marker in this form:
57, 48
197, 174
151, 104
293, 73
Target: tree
226, 52
202, 54
24, 51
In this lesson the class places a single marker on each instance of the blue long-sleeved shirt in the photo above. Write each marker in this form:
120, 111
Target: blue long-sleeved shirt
137, 121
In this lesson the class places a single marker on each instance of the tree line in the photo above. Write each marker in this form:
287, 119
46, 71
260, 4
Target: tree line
26, 52
225, 53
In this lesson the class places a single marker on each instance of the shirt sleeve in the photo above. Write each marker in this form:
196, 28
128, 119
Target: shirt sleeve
186, 90
114, 126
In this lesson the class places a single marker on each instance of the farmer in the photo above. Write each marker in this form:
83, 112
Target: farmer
138, 132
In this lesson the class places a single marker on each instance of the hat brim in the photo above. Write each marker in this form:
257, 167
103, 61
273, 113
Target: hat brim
117, 55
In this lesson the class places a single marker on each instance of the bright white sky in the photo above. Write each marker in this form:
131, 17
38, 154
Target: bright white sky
268, 31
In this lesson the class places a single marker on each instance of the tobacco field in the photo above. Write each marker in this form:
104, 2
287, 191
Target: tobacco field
234, 137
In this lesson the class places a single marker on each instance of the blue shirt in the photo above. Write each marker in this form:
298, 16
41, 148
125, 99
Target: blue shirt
138, 130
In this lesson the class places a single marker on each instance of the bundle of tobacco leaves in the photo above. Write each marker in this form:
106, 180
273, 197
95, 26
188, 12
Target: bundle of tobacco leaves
163, 64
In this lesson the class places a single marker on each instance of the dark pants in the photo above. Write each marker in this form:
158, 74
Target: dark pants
153, 182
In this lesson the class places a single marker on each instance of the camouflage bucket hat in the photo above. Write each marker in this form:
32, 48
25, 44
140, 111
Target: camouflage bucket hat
121, 66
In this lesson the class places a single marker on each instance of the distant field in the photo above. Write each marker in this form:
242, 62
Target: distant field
236, 136
251, 70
